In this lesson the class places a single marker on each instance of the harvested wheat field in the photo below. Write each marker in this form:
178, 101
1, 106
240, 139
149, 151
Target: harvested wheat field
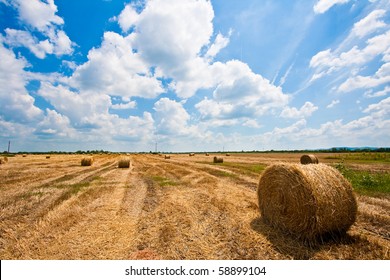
184, 208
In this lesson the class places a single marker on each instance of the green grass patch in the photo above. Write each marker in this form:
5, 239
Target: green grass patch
242, 168
366, 182
163, 181
220, 173
362, 157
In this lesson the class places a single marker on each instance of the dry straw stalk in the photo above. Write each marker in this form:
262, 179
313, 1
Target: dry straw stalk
124, 162
309, 159
218, 160
86, 161
307, 201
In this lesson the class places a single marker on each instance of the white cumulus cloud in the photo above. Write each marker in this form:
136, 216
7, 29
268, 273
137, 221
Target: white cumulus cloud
306, 110
323, 5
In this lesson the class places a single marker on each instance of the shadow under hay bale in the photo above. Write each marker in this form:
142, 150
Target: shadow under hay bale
218, 160
307, 201
86, 161
124, 162
309, 159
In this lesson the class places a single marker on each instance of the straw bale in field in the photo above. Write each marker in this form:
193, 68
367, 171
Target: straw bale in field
218, 160
192, 154
228, 155
307, 201
3, 160
47, 157
167, 156
309, 159
86, 161
207, 154
124, 162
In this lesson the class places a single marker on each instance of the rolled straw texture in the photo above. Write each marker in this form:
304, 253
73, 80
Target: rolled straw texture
309, 159
307, 201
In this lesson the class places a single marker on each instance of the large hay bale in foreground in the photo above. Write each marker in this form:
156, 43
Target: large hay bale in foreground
309, 159
86, 161
307, 201
218, 160
124, 162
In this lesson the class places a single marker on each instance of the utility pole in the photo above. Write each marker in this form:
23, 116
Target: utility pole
156, 148
9, 146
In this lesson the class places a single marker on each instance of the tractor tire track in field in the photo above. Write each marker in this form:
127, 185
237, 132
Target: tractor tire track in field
28, 208
97, 223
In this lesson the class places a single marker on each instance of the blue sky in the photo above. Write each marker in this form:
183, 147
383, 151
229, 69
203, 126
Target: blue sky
194, 75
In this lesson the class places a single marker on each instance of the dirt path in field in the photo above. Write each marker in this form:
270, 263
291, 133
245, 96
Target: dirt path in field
182, 208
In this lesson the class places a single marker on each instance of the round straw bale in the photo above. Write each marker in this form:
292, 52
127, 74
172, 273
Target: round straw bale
167, 156
192, 154
24, 155
307, 201
228, 155
218, 160
207, 154
86, 161
47, 157
308, 159
124, 162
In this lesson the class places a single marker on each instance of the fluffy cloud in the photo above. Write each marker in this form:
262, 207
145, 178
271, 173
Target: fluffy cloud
372, 128
323, 5
127, 18
371, 94
305, 111
382, 76
115, 69
39, 17
57, 44
171, 32
240, 93
15, 102
172, 118
54, 125
219, 43
369, 24
38, 14
329, 61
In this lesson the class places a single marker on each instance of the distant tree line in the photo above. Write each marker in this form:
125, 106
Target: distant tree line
330, 150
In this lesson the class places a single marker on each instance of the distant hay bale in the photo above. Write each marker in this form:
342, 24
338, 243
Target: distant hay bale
124, 162
227, 154
307, 201
167, 156
24, 155
86, 161
218, 160
3, 160
309, 159
192, 154
207, 154
47, 157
